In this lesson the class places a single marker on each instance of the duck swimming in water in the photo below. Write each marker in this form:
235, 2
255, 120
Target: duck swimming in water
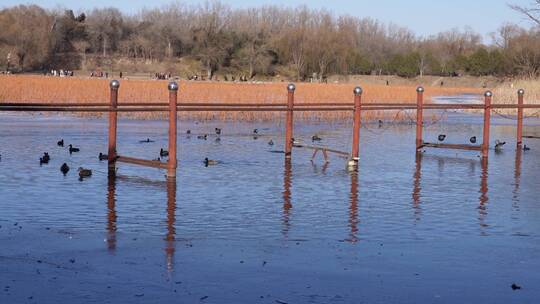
218, 131
525, 148
315, 138
84, 172
148, 140
64, 168
102, 156
60, 143
45, 159
163, 153
205, 136
255, 131
499, 144
210, 162
188, 132
73, 149
472, 140
442, 137
271, 143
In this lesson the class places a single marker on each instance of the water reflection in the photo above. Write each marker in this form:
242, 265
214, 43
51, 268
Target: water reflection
441, 162
353, 208
111, 211
417, 187
517, 179
287, 205
171, 220
484, 199
170, 245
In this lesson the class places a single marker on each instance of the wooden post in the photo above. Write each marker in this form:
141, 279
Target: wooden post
113, 123
521, 93
289, 124
487, 122
419, 117
173, 101
357, 123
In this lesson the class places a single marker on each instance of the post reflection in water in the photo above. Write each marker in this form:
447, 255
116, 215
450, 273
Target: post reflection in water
417, 187
171, 213
171, 220
482, 208
517, 179
111, 211
353, 208
287, 204
417, 182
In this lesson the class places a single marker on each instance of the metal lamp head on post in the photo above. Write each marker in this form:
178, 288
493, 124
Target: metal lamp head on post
357, 91
115, 84
521, 92
291, 87
420, 89
488, 94
172, 86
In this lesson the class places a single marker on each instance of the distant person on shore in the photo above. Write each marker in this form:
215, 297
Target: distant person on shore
121, 74
387, 83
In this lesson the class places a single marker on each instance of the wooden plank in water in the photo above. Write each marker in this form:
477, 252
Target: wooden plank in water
322, 149
453, 146
142, 162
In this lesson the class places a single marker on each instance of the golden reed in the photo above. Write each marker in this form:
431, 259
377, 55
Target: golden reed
27, 88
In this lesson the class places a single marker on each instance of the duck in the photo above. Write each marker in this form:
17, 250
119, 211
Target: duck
163, 153
210, 162
525, 148
64, 168
60, 143
315, 138
472, 140
102, 156
271, 143
442, 137
84, 172
188, 132
148, 140
218, 131
380, 123
73, 149
205, 136
46, 157
255, 131
499, 144
43, 161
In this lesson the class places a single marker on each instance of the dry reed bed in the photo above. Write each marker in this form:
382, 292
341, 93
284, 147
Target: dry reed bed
507, 94
82, 90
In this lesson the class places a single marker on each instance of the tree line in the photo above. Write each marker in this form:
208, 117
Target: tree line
300, 43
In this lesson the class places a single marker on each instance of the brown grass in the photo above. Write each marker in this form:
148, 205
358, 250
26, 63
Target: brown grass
506, 93
81, 90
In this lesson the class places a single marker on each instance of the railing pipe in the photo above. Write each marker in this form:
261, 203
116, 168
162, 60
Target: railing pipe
173, 100
487, 123
289, 123
113, 123
357, 123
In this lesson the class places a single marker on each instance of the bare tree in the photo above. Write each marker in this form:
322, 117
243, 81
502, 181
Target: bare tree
532, 12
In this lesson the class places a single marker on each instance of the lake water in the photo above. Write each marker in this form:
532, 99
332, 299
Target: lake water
441, 228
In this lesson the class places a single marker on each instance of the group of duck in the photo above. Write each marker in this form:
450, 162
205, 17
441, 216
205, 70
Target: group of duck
83, 172
498, 144
65, 168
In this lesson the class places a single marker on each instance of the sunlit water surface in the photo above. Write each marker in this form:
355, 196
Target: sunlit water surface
454, 212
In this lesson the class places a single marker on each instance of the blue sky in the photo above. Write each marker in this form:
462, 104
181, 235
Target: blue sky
424, 17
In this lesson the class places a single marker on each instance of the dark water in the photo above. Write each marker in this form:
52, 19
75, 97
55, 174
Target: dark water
440, 228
